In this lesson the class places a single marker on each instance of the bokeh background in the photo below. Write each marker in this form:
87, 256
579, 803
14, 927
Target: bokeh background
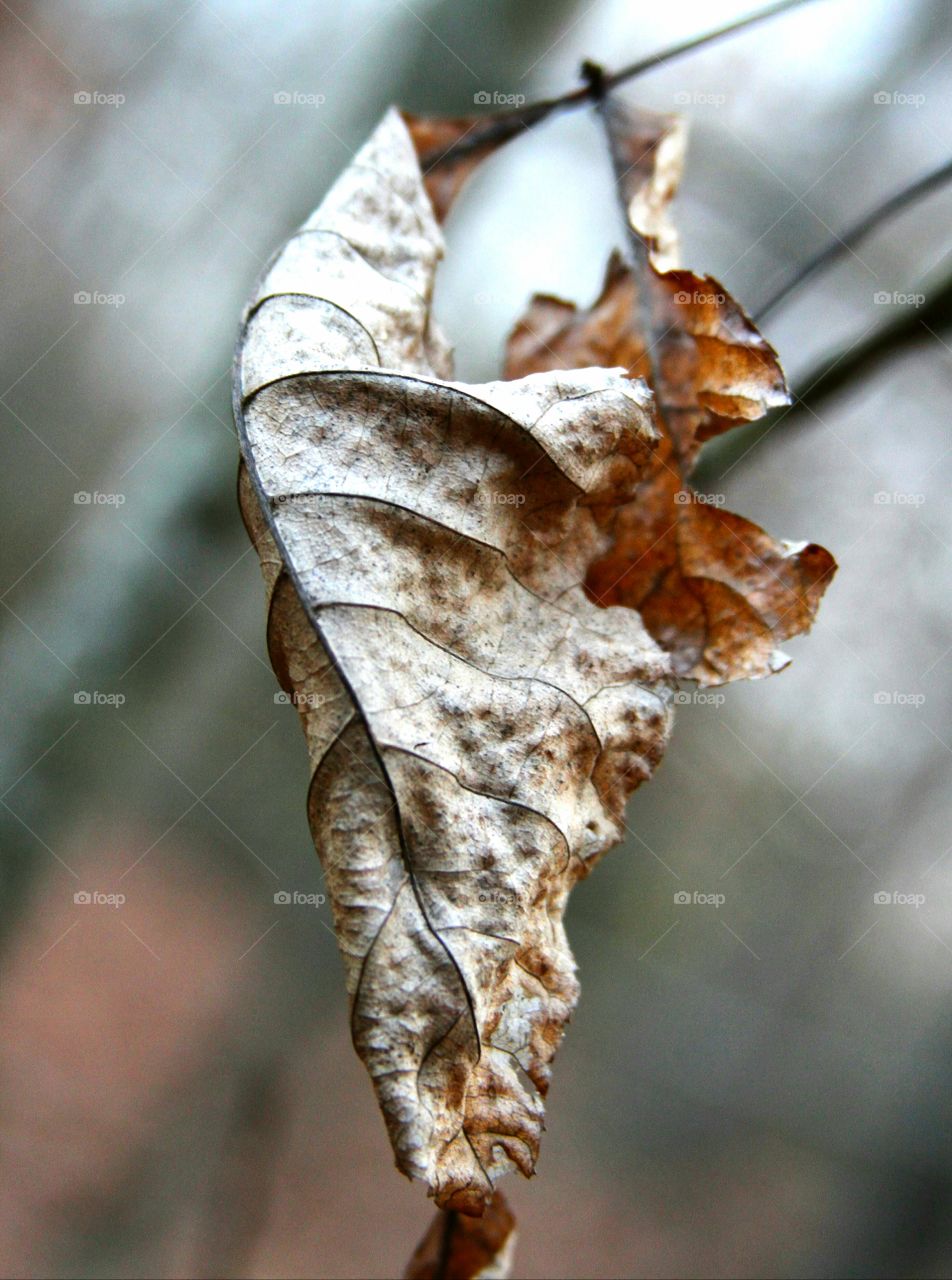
760, 1088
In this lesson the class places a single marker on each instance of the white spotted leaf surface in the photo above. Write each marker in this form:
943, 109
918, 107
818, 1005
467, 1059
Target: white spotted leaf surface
474, 722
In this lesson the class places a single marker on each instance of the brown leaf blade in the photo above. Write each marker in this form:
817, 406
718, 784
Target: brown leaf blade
458, 1247
650, 150
715, 590
474, 722
445, 165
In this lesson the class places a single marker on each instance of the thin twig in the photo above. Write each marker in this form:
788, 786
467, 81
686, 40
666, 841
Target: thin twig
843, 244
499, 127
688, 46
836, 374
911, 326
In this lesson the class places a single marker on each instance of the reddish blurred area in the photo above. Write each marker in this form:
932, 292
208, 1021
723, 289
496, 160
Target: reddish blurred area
172, 1108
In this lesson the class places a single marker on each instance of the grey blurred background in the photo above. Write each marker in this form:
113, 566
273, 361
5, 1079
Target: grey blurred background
758, 1088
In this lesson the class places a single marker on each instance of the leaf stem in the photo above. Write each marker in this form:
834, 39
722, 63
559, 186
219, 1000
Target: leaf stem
598, 85
446, 1246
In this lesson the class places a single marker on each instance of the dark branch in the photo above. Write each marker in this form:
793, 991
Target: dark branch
910, 327
688, 46
498, 128
858, 231
837, 374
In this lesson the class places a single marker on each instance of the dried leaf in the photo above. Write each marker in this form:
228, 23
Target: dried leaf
714, 589
474, 722
650, 150
459, 1247
450, 147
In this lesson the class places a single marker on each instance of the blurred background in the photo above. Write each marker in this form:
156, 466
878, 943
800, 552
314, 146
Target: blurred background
757, 1088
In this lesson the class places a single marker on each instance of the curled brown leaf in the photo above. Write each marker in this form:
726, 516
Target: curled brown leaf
716, 591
